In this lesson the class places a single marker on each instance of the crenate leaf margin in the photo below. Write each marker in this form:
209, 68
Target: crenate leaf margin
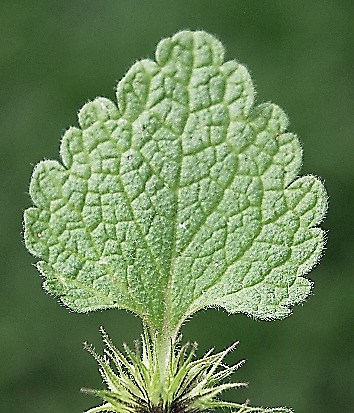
183, 124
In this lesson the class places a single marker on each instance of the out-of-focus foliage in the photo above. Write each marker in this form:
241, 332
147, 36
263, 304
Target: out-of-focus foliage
54, 56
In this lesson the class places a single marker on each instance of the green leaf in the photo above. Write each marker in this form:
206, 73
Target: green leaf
184, 196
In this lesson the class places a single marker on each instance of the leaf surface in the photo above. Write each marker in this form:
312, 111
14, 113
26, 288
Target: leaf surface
183, 196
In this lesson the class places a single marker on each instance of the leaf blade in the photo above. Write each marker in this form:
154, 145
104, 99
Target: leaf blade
184, 196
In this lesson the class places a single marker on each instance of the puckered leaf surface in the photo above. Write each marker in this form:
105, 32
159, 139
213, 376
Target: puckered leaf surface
183, 196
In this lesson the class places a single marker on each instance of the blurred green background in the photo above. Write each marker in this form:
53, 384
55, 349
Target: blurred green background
56, 55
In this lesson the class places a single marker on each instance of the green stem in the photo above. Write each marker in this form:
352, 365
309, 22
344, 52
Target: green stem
165, 338
163, 341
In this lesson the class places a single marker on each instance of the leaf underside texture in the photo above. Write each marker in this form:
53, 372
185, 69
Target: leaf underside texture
183, 196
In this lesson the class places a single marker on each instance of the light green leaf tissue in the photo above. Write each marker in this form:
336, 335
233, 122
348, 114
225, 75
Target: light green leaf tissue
182, 195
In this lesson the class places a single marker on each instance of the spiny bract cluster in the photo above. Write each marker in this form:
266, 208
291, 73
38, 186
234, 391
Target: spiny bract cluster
135, 384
